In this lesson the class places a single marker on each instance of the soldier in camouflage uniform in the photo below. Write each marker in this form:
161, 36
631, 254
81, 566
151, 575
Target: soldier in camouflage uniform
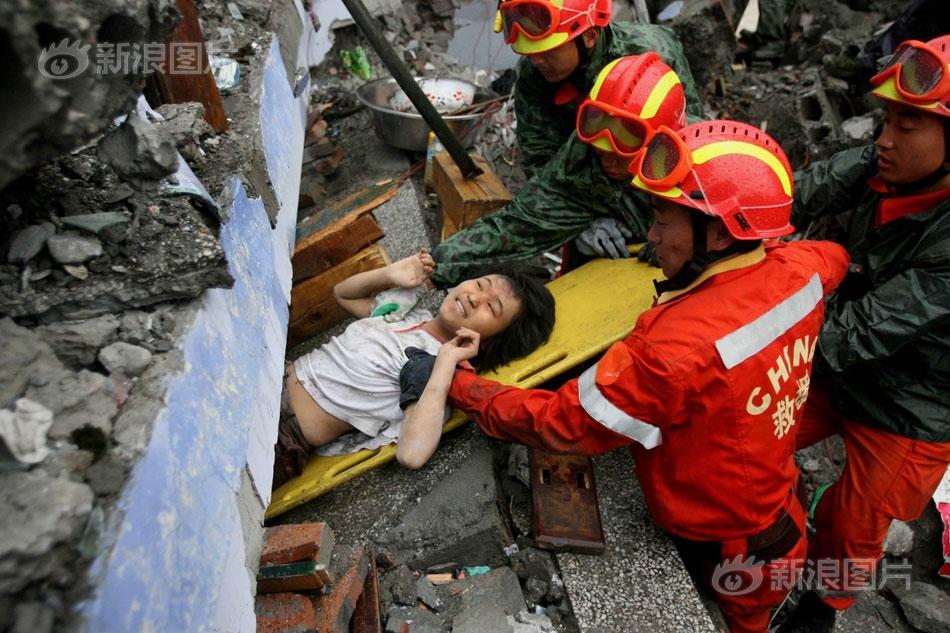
568, 188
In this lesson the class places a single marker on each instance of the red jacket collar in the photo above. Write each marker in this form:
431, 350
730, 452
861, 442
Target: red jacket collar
893, 207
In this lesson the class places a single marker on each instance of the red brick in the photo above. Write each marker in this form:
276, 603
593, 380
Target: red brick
366, 616
335, 607
302, 541
285, 613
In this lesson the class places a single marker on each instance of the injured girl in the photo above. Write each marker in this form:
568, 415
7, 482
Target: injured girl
350, 385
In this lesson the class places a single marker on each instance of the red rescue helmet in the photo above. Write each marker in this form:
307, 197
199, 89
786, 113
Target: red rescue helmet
632, 97
725, 169
536, 26
917, 75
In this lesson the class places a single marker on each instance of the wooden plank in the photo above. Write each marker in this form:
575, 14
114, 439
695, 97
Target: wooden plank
312, 306
175, 84
366, 615
465, 200
305, 575
334, 245
358, 202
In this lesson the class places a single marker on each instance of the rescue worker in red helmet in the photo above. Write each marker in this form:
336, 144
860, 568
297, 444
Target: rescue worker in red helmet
587, 188
708, 387
565, 44
883, 360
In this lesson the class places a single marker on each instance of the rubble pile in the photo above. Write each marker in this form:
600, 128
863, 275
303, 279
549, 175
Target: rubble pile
107, 238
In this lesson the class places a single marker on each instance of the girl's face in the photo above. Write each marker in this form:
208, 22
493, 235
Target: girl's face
485, 304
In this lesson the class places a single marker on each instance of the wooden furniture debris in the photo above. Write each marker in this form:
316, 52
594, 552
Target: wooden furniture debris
464, 200
335, 234
564, 503
186, 74
312, 306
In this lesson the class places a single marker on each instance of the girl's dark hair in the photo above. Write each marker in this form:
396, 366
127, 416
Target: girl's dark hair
530, 328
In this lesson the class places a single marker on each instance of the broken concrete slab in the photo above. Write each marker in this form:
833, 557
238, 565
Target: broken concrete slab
488, 617
29, 242
40, 513
139, 150
77, 342
498, 589
926, 607
646, 572
70, 248
21, 353
77, 400
402, 619
458, 520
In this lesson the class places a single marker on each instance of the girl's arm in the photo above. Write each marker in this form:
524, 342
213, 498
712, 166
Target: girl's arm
355, 294
422, 426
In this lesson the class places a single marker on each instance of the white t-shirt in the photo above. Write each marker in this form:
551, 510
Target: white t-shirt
355, 376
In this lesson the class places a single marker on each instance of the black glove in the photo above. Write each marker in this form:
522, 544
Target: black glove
414, 375
647, 254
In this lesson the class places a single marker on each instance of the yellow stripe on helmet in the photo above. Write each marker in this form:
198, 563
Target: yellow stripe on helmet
724, 148
675, 192
658, 95
888, 90
601, 76
525, 46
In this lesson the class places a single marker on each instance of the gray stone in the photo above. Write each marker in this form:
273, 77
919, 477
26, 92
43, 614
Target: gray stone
29, 242
77, 342
21, 353
526, 622
412, 620
34, 617
67, 462
123, 358
481, 619
76, 400
79, 272
458, 520
106, 476
859, 128
927, 608
499, 589
402, 585
139, 150
184, 122
426, 592
135, 326
69, 248
39, 513
899, 540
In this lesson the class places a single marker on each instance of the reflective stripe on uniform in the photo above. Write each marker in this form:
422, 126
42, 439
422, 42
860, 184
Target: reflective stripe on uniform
604, 411
753, 337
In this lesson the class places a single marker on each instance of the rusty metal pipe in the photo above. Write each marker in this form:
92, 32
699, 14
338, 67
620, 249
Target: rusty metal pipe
402, 76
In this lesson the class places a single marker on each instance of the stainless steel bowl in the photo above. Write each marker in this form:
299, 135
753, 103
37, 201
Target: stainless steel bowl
407, 130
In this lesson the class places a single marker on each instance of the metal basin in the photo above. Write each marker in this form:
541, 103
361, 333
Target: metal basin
397, 122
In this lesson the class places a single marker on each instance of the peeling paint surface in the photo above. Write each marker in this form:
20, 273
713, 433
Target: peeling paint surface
180, 548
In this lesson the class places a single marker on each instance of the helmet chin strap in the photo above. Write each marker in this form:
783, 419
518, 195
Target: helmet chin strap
702, 258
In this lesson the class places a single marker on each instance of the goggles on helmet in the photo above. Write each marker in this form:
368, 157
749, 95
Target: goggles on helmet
665, 162
535, 19
921, 73
627, 133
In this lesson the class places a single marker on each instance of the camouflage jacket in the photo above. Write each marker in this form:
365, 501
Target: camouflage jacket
544, 127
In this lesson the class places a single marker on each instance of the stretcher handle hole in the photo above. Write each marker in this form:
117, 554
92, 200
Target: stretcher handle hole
546, 476
582, 481
540, 365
